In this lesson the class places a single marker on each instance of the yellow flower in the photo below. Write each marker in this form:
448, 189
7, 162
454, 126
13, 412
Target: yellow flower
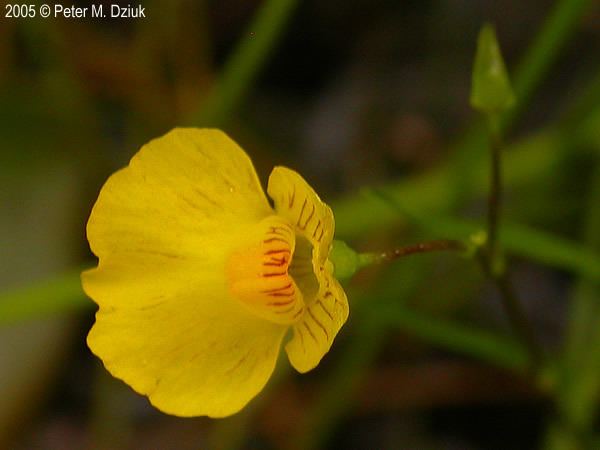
199, 278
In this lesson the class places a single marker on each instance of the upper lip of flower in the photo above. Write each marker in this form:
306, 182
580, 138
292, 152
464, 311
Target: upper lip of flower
190, 311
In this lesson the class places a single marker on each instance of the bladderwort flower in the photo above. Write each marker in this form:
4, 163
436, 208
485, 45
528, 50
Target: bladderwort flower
200, 279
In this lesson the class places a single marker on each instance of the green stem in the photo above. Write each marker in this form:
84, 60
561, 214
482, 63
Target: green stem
244, 65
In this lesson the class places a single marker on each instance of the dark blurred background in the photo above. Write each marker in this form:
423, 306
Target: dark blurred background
352, 94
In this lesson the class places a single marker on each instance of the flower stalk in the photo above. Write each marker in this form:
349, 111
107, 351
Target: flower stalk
512, 307
495, 194
421, 247
347, 262
492, 95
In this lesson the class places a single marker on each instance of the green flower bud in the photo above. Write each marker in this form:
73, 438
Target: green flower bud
491, 91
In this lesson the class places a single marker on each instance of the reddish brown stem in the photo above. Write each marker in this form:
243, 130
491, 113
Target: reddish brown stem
422, 247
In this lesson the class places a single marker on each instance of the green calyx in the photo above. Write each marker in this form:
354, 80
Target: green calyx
346, 262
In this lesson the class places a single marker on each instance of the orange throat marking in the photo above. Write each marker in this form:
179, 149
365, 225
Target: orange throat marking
258, 273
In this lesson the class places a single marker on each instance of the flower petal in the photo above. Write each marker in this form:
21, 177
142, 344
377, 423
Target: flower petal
176, 190
188, 359
167, 324
295, 200
257, 271
170, 328
314, 333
